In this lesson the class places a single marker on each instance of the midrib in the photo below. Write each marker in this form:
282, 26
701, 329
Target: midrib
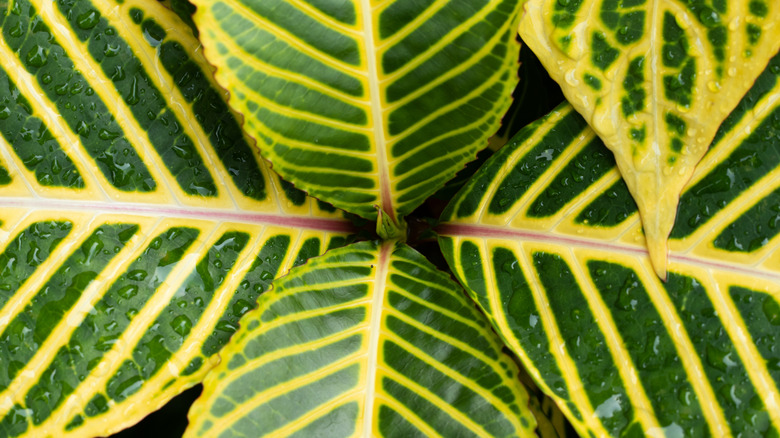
373, 332
218, 215
375, 100
496, 232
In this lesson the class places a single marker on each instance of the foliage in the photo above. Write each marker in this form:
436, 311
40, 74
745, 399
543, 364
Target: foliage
141, 224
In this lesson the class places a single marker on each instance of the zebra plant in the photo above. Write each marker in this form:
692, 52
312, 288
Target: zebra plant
183, 196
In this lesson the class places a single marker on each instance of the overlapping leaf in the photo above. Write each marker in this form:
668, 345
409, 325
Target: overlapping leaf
137, 223
548, 242
654, 78
367, 340
364, 103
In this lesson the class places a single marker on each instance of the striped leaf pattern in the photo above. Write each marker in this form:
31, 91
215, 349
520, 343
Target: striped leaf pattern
547, 240
137, 223
365, 104
654, 78
366, 340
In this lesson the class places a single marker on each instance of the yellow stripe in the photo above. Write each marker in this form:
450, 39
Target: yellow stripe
94, 181
735, 326
75, 316
643, 409
164, 82
300, 423
407, 415
409, 26
688, 356
482, 211
104, 89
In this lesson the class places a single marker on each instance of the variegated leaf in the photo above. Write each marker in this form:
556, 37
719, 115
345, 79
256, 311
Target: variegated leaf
548, 242
654, 78
365, 104
367, 340
138, 224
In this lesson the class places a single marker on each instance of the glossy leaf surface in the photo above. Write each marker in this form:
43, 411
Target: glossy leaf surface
137, 223
548, 241
654, 79
362, 103
366, 340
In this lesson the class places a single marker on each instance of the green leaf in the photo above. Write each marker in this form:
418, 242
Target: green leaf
138, 224
366, 340
654, 79
547, 240
366, 106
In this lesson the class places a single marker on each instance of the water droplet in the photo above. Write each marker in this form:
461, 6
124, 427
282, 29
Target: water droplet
181, 325
111, 50
88, 20
37, 56
709, 17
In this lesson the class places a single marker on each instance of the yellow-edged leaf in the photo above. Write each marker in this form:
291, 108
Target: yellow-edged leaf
654, 79
548, 242
367, 340
137, 223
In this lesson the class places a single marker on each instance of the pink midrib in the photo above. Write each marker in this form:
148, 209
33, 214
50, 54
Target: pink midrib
292, 221
495, 232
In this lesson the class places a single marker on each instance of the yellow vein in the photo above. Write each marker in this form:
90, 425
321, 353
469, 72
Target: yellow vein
413, 24
107, 93
375, 330
520, 153
446, 338
324, 19
406, 414
443, 310
69, 142
269, 394
287, 75
328, 406
626, 369
74, 317
685, 349
431, 397
163, 81
451, 36
294, 41
541, 183
474, 59
754, 363
462, 380
123, 347
376, 99
566, 364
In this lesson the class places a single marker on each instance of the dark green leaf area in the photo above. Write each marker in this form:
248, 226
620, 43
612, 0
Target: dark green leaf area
438, 388
757, 155
29, 329
308, 30
761, 313
398, 14
675, 48
530, 167
171, 329
256, 281
628, 26
603, 54
633, 83
754, 228
585, 343
32, 140
341, 10
310, 248
269, 49
523, 318
78, 104
722, 365
652, 351
15, 422
473, 273
764, 84
25, 252
586, 168
215, 118
100, 330
470, 196
146, 102
609, 209
338, 422
565, 12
